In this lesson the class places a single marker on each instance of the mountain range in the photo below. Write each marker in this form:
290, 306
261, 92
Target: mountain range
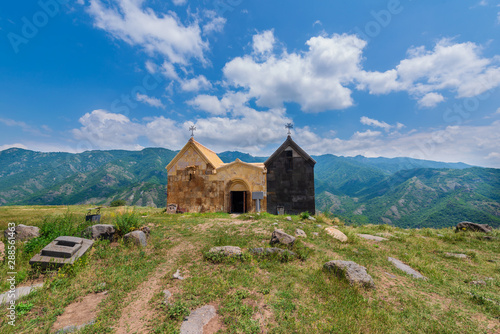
403, 192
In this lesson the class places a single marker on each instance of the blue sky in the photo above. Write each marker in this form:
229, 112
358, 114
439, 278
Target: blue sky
375, 78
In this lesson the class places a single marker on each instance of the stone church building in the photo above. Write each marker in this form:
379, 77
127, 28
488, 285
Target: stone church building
198, 181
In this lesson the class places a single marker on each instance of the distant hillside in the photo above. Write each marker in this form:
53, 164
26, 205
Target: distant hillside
401, 191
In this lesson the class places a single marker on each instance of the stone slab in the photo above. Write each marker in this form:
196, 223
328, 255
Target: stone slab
197, 319
353, 272
18, 293
406, 268
337, 234
45, 261
372, 237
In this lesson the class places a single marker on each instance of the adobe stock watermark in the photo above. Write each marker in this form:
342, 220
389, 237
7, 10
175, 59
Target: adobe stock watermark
223, 6
11, 275
381, 19
32, 25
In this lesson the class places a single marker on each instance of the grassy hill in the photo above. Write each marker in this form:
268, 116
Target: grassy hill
254, 294
401, 191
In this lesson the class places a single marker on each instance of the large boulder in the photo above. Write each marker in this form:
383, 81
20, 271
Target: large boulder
100, 231
226, 250
468, 226
353, 272
22, 232
136, 237
280, 237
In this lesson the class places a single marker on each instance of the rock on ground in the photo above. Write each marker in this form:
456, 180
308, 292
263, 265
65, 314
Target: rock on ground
271, 250
22, 232
73, 328
353, 272
458, 256
372, 237
468, 226
177, 275
280, 237
137, 237
100, 231
300, 233
336, 234
406, 268
288, 218
226, 250
166, 297
19, 292
197, 319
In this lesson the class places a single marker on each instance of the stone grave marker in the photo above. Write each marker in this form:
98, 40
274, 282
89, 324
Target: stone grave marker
172, 208
61, 251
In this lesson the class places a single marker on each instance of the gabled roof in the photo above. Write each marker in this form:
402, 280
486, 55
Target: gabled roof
258, 165
297, 148
209, 156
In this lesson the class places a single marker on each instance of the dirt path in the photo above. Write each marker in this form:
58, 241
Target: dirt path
137, 314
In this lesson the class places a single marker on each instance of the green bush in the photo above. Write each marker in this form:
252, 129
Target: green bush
304, 215
127, 222
118, 202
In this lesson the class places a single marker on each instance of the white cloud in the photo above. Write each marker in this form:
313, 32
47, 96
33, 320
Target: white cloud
215, 23
25, 127
208, 103
105, 130
162, 34
196, 84
430, 100
235, 103
179, 2
7, 146
152, 101
498, 17
322, 77
264, 42
373, 122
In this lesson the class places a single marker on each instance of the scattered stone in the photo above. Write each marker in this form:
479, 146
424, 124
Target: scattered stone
20, 292
63, 250
177, 275
194, 323
458, 256
73, 328
315, 233
489, 237
280, 237
100, 231
386, 235
468, 226
270, 250
166, 297
407, 269
275, 223
440, 235
390, 275
311, 218
318, 225
492, 261
300, 233
136, 237
353, 272
372, 237
288, 218
22, 232
226, 250
336, 234
146, 230
478, 282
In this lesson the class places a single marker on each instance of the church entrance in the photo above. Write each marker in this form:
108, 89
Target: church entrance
238, 202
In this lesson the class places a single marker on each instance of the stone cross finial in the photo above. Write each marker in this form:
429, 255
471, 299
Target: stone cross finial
192, 129
289, 126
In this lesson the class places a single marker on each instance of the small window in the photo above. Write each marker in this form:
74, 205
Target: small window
289, 160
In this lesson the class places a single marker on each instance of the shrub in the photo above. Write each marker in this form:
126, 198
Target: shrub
304, 215
127, 222
118, 202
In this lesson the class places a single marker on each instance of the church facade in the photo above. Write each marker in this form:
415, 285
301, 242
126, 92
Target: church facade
199, 181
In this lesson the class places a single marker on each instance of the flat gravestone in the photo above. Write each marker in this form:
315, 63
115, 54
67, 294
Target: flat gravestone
63, 250
406, 268
372, 237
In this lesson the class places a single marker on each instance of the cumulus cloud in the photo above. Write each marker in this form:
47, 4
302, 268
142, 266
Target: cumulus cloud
196, 84
152, 101
264, 42
322, 77
163, 34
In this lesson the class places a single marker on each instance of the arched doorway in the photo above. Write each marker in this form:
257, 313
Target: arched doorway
238, 196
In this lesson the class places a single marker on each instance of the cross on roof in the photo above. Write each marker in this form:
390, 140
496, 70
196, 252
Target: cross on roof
289, 126
192, 129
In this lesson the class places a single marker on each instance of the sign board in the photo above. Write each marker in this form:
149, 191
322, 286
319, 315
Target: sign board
258, 195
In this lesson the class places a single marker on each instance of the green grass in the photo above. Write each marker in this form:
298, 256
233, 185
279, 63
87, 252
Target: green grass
291, 295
